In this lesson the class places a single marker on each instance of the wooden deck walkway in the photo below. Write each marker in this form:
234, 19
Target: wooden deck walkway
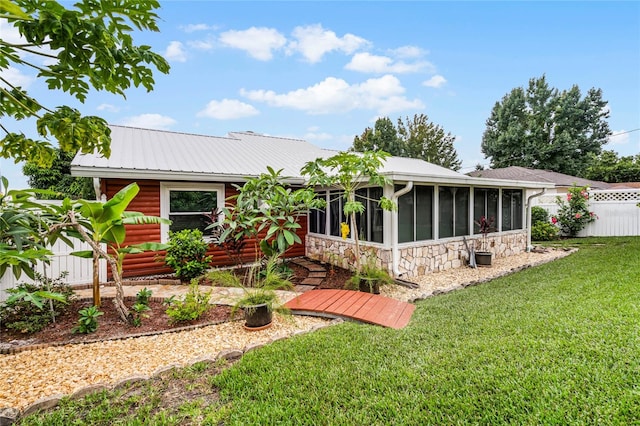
355, 305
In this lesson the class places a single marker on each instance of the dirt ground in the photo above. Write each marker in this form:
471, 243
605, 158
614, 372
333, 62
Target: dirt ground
110, 326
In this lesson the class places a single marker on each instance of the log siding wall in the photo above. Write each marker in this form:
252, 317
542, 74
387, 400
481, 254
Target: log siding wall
152, 263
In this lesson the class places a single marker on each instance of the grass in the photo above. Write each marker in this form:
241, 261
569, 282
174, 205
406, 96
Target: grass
555, 344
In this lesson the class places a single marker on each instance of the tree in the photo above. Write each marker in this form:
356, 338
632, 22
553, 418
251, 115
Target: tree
58, 178
87, 46
542, 127
414, 138
427, 141
383, 137
349, 171
96, 222
608, 167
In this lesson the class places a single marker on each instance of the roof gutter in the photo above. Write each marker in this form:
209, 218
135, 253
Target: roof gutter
529, 198
394, 230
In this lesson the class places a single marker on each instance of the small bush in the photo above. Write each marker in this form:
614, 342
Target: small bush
192, 307
221, 278
539, 214
25, 316
139, 312
88, 321
143, 296
544, 231
187, 254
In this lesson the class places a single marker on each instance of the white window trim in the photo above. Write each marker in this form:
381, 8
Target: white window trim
166, 187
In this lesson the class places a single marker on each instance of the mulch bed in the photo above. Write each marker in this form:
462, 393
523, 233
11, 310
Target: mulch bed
110, 326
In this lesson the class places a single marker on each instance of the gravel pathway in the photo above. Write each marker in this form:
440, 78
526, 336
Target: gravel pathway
454, 279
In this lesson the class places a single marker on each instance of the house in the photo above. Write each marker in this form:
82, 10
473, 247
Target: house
184, 176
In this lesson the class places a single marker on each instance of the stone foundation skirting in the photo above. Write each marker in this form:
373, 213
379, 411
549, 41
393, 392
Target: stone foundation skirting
419, 258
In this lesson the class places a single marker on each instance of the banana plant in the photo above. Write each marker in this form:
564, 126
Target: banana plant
96, 223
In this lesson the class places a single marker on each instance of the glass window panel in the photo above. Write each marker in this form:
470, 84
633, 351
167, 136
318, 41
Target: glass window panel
405, 216
424, 212
461, 196
485, 203
511, 209
362, 220
376, 215
192, 201
445, 213
189, 221
336, 213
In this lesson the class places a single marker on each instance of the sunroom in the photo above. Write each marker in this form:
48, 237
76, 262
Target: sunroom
434, 224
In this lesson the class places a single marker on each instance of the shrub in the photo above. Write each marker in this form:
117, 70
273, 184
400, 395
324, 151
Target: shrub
573, 214
220, 278
143, 296
543, 231
28, 311
539, 214
187, 254
192, 307
88, 321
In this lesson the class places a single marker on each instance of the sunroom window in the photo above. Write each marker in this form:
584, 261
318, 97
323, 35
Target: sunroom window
485, 203
370, 223
511, 209
415, 214
454, 211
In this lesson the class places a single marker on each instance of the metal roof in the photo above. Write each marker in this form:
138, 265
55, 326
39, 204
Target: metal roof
158, 154
537, 175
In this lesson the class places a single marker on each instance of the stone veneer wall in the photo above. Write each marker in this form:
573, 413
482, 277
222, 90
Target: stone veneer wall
418, 259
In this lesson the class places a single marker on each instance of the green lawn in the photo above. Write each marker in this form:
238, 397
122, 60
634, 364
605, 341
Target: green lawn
556, 344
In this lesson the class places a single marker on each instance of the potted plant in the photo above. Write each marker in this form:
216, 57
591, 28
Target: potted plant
485, 226
260, 299
370, 277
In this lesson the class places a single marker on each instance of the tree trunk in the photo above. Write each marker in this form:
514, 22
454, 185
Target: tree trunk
96, 279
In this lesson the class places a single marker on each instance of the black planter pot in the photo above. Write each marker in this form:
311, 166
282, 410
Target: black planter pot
484, 258
369, 285
257, 317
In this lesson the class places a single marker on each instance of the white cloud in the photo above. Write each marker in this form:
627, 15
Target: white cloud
149, 121
436, 81
10, 34
108, 107
408, 52
366, 62
257, 42
175, 52
201, 44
619, 137
313, 42
228, 109
334, 95
312, 136
16, 78
191, 28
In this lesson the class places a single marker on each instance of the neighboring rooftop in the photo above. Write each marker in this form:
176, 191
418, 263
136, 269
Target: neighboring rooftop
536, 175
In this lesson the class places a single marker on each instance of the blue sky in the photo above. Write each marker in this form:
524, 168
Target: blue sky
324, 71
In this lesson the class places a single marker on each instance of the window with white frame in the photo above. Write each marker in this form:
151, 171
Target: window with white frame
485, 203
454, 211
188, 206
512, 211
370, 224
415, 214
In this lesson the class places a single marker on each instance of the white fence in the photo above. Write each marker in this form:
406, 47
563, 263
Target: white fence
617, 211
80, 270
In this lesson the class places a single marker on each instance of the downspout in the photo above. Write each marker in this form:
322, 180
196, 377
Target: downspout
394, 229
96, 188
529, 198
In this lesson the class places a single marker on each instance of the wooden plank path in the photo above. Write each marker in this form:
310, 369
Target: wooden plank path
355, 305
